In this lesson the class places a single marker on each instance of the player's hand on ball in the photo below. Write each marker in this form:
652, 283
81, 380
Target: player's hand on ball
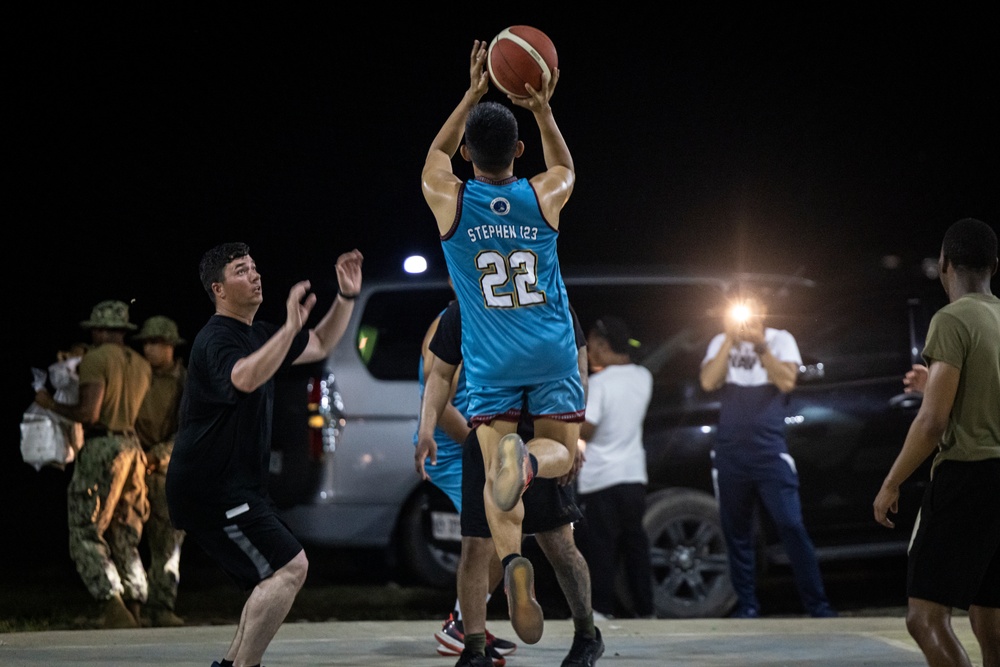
538, 100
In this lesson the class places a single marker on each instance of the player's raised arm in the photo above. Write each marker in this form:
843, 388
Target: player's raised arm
554, 185
438, 181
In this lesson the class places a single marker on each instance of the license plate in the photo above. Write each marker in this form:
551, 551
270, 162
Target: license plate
446, 526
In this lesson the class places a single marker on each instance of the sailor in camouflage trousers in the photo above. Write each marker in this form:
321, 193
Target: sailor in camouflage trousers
106, 498
157, 426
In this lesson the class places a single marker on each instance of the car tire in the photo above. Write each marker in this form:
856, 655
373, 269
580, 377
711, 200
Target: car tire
688, 552
422, 558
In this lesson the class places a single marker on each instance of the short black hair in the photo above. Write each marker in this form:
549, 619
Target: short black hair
212, 268
614, 330
491, 136
970, 244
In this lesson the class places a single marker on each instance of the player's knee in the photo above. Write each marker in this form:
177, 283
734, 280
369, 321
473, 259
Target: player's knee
297, 569
918, 624
985, 625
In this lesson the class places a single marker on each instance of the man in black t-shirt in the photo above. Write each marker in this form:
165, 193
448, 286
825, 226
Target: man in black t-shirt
217, 478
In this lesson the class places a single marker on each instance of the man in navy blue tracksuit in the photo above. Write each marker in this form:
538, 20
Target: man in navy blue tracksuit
753, 368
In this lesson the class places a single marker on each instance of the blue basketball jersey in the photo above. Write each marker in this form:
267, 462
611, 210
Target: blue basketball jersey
501, 255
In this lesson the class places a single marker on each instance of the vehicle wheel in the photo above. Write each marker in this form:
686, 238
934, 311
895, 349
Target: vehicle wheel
427, 560
688, 551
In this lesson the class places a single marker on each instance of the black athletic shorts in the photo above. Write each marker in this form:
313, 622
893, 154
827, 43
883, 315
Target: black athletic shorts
248, 551
547, 505
954, 557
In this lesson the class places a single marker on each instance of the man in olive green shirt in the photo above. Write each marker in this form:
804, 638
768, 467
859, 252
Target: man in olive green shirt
106, 498
954, 555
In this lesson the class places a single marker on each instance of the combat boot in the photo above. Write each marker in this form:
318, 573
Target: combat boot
161, 617
135, 608
117, 615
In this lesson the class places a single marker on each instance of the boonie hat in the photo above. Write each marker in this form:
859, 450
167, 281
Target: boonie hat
160, 327
109, 315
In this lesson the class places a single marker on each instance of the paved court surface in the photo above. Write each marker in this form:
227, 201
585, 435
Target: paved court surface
839, 642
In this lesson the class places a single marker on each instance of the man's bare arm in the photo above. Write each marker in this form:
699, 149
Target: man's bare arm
437, 392
437, 180
922, 438
713, 372
87, 410
325, 335
782, 373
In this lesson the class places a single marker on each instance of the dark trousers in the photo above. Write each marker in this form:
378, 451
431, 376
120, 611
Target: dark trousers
615, 537
775, 483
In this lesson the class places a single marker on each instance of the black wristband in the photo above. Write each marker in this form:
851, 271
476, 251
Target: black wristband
346, 297
760, 349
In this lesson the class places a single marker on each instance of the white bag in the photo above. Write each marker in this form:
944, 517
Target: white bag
48, 438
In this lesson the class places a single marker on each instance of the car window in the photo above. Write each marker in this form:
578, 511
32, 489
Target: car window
865, 335
855, 341
392, 328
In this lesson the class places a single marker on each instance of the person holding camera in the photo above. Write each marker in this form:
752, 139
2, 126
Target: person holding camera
754, 368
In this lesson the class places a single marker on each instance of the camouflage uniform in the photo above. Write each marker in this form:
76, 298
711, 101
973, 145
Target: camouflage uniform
107, 507
106, 498
157, 425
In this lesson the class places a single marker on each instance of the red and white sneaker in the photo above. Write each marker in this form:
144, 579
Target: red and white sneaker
451, 641
501, 646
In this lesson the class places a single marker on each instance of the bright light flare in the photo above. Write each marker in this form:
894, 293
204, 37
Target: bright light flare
740, 312
415, 264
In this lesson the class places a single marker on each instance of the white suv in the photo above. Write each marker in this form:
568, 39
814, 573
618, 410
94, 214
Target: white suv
342, 450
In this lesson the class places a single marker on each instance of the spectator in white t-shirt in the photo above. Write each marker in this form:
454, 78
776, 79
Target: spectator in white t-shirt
612, 481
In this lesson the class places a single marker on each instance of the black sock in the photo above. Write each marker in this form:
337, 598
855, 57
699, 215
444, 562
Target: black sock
225, 663
534, 464
508, 558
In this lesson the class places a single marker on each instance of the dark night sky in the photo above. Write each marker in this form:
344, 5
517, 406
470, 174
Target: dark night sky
766, 139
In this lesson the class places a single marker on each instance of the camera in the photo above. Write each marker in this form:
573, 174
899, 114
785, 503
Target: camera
740, 313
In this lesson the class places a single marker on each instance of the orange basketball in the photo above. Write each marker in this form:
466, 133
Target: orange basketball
518, 55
